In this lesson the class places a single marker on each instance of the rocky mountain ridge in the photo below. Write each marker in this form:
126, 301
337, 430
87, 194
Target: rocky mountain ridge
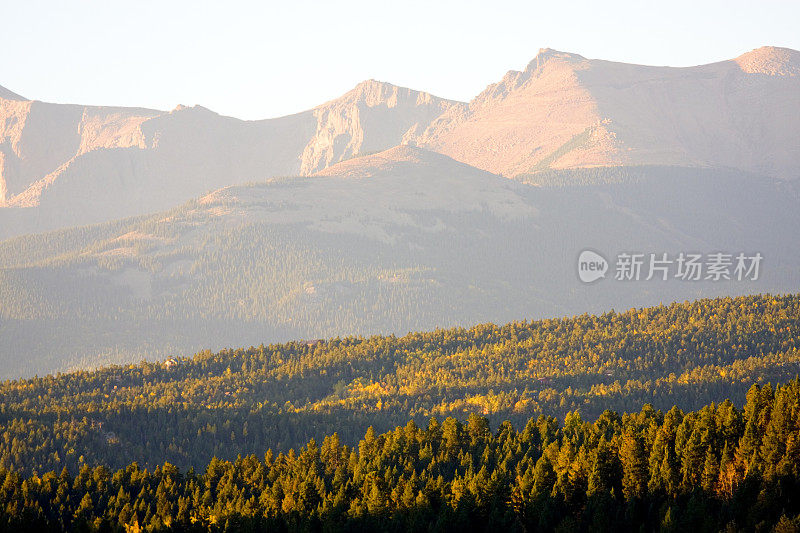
67, 165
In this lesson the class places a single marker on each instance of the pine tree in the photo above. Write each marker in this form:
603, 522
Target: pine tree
606, 471
711, 471
634, 466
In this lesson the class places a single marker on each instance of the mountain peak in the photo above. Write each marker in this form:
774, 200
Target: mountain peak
770, 60
547, 55
372, 84
566, 111
374, 92
5, 94
370, 91
371, 117
180, 108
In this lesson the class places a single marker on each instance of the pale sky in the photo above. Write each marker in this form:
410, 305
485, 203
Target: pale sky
262, 59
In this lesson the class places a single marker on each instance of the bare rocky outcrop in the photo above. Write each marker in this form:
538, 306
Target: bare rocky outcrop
566, 111
41, 142
38, 140
372, 117
525, 118
771, 61
73, 164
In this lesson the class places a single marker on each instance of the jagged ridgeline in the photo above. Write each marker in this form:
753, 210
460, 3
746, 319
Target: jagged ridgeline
244, 401
716, 468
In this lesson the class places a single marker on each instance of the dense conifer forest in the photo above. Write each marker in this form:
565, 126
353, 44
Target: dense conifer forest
665, 418
717, 468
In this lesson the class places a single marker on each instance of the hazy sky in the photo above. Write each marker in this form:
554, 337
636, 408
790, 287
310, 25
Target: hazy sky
263, 59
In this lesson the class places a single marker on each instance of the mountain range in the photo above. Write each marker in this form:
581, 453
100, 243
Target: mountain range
73, 164
70, 164
135, 233
565, 111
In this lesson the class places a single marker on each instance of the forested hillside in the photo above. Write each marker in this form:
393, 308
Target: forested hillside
248, 400
716, 468
416, 242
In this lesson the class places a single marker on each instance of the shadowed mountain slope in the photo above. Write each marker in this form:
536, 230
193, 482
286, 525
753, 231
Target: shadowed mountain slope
392, 242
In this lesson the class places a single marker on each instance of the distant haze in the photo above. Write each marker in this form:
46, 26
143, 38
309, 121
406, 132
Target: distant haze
260, 60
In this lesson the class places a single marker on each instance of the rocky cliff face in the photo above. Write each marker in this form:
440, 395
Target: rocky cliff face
520, 123
77, 164
566, 111
372, 117
38, 142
